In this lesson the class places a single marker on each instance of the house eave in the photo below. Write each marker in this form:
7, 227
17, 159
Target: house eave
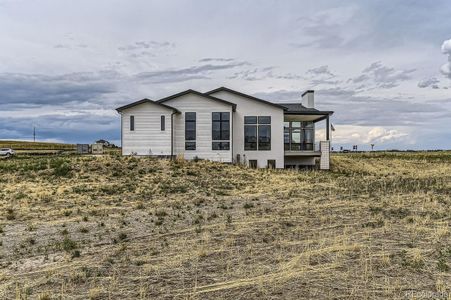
122, 108
198, 94
224, 89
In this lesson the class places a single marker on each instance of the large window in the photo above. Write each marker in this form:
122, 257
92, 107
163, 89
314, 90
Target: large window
299, 136
132, 123
257, 133
220, 131
190, 131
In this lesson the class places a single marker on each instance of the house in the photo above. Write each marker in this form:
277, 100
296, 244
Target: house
105, 143
227, 126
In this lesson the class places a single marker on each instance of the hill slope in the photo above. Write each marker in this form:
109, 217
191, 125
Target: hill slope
377, 226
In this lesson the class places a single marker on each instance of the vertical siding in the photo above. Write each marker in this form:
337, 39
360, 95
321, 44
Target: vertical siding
147, 138
203, 107
248, 107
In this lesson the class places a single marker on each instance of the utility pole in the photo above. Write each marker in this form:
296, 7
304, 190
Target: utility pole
34, 133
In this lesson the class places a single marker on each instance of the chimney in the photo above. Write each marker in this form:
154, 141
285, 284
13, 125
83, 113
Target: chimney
308, 99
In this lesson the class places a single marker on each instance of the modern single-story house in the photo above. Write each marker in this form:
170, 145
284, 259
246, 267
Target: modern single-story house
227, 126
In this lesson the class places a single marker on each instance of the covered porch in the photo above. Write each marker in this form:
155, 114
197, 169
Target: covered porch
300, 147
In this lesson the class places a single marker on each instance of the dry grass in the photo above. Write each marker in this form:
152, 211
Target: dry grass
109, 227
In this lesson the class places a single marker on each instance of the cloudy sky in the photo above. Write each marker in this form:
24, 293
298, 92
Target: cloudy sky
383, 66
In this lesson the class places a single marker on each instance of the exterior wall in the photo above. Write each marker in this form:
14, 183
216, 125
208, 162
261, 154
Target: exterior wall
299, 161
147, 138
248, 107
203, 107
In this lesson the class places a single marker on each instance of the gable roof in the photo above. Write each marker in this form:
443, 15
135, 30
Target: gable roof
224, 89
145, 100
198, 94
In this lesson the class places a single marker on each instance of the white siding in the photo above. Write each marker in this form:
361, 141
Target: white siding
147, 138
203, 107
248, 107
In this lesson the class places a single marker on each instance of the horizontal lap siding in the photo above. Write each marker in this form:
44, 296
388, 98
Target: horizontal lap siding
147, 138
248, 107
203, 108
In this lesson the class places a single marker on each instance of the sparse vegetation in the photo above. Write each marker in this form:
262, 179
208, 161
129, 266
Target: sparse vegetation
109, 227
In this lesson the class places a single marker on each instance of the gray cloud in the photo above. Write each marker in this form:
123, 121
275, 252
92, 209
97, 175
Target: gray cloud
322, 70
219, 59
429, 82
185, 74
18, 88
152, 45
379, 76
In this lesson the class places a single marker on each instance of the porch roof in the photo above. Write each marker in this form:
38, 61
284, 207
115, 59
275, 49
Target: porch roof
295, 111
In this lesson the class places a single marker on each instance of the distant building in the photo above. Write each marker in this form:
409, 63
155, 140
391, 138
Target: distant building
105, 143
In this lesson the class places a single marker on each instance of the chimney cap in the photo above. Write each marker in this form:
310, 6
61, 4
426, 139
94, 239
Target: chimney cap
306, 92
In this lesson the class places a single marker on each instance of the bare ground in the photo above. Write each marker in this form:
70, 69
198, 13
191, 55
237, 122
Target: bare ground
376, 226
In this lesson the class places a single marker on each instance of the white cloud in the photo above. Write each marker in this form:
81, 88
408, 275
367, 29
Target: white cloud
359, 135
446, 49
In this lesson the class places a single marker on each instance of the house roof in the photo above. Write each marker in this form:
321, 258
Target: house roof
198, 94
297, 108
119, 109
224, 89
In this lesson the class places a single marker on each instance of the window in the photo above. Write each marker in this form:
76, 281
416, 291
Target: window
250, 137
299, 136
220, 131
271, 163
257, 133
190, 145
253, 163
221, 145
132, 123
190, 130
163, 123
264, 137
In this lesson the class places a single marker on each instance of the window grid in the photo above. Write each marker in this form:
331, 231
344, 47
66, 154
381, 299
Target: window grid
299, 136
190, 131
257, 133
220, 131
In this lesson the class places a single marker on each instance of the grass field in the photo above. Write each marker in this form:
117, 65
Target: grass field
27, 145
111, 227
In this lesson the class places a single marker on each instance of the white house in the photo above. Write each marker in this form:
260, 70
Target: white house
227, 126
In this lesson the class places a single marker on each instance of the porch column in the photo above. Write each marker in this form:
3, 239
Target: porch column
327, 128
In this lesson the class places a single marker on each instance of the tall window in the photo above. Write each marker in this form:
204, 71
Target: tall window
132, 123
257, 133
299, 136
190, 131
220, 131
163, 123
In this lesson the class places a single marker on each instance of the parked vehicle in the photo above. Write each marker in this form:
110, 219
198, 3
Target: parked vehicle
8, 152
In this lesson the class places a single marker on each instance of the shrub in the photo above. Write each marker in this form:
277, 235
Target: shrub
68, 244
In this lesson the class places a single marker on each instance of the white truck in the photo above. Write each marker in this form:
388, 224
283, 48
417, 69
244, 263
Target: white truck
7, 152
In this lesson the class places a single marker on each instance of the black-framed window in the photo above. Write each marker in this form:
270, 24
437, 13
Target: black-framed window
220, 145
132, 123
190, 145
163, 123
190, 131
220, 130
257, 133
253, 163
271, 163
299, 136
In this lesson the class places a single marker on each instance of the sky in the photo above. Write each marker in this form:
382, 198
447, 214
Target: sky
383, 67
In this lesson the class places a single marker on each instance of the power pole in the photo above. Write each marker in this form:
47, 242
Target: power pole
34, 133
